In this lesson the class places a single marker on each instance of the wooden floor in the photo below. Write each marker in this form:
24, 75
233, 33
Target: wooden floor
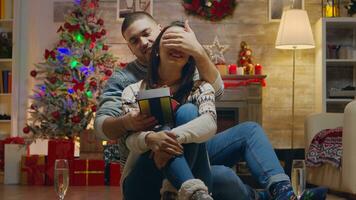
20, 192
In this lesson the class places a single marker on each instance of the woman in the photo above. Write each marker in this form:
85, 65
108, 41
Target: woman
173, 69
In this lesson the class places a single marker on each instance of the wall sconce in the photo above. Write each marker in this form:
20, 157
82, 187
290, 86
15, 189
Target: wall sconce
330, 8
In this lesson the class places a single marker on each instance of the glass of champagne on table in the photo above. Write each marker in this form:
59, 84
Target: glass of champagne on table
61, 177
298, 177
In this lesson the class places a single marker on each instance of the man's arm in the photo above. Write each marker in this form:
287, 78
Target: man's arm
110, 121
187, 42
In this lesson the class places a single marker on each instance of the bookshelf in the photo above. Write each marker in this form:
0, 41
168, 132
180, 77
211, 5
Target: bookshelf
335, 75
6, 66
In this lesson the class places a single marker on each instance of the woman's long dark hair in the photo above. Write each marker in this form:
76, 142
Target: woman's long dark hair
186, 82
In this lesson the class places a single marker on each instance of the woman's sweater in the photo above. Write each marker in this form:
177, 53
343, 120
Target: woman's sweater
198, 130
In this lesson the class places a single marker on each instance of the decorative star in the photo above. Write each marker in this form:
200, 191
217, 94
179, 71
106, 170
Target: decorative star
216, 51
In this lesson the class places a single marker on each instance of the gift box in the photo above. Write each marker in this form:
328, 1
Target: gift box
33, 170
89, 142
9, 140
13, 154
1, 177
115, 174
58, 149
111, 153
87, 172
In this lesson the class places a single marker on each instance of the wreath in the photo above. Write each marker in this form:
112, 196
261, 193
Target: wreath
212, 10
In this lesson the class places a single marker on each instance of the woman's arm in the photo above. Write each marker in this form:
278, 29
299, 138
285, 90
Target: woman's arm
203, 127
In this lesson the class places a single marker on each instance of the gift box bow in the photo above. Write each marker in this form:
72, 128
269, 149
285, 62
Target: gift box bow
87, 172
14, 140
34, 170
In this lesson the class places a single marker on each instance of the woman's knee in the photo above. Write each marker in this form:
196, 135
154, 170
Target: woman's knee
186, 113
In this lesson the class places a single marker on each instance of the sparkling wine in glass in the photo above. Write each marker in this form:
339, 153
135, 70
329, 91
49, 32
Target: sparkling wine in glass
298, 177
61, 177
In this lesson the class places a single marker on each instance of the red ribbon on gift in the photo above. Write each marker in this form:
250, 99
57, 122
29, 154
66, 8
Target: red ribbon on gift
14, 140
35, 171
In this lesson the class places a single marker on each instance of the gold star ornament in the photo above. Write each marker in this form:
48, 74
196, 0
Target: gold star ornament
216, 51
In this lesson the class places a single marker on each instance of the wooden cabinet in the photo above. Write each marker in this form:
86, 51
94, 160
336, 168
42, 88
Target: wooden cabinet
335, 73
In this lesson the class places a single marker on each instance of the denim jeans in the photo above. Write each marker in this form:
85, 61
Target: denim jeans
145, 180
246, 140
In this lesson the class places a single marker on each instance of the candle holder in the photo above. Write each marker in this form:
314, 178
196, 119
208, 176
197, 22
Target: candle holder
330, 8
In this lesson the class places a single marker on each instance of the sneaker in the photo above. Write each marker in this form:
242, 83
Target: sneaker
167, 195
201, 195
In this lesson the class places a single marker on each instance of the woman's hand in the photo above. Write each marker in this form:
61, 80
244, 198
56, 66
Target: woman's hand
164, 141
135, 121
161, 158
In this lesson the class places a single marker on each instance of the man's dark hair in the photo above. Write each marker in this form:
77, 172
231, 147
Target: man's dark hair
132, 17
186, 82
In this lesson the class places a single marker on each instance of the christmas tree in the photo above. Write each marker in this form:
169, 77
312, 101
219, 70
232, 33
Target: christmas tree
71, 78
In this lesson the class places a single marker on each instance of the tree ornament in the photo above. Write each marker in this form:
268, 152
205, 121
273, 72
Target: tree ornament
100, 22
33, 73
76, 119
53, 80
108, 72
26, 130
103, 32
86, 61
93, 108
105, 47
56, 114
216, 51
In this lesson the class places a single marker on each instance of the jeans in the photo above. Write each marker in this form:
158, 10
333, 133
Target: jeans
145, 180
246, 140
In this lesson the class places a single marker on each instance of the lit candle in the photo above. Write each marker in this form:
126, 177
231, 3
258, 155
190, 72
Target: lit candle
258, 69
232, 69
240, 71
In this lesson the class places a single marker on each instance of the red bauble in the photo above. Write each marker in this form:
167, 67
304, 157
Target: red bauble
103, 32
33, 107
53, 80
67, 25
108, 72
123, 64
33, 73
105, 47
98, 35
55, 114
100, 22
86, 61
93, 39
26, 130
93, 83
87, 36
76, 119
93, 108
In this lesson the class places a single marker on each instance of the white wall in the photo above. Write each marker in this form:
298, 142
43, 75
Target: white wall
36, 32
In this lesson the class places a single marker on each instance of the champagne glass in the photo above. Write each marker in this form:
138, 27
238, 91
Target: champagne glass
298, 177
61, 177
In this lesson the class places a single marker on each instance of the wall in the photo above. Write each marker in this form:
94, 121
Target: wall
249, 23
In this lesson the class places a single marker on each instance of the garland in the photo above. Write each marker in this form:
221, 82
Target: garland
212, 10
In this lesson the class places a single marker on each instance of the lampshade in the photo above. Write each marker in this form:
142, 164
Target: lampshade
295, 31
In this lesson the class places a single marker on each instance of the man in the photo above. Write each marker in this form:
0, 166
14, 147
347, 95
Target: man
246, 140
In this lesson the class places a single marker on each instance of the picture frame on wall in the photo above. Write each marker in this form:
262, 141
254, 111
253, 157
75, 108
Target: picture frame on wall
276, 8
125, 7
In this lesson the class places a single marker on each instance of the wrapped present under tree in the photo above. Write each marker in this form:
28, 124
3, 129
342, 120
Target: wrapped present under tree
33, 170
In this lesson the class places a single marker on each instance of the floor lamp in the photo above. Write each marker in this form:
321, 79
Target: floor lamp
294, 33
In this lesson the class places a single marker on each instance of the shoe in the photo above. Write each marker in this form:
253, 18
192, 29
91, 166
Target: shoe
201, 195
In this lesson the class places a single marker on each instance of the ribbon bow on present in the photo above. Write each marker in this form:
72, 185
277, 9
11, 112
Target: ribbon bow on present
14, 140
35, 171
